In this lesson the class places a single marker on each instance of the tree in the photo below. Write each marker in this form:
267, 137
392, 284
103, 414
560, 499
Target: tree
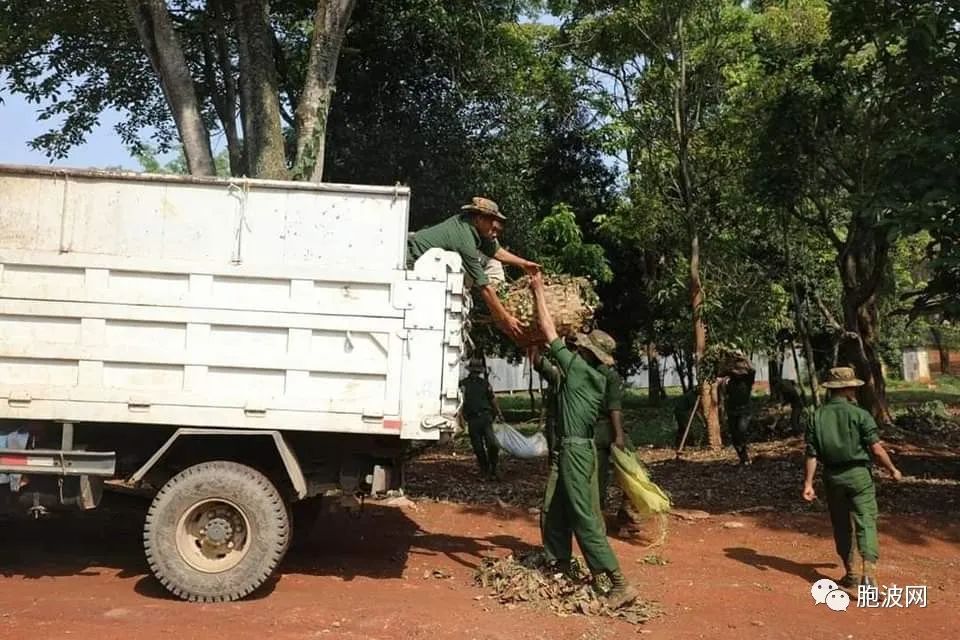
671, 58
214, 60
840, 150
156, 32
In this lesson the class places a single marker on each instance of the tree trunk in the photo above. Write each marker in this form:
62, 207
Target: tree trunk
700, 343
942, 349
262, 131
655, 386
774, 377
802, 328
812, 378
229, 115
861, 266
680, 368
330, 21
155, 28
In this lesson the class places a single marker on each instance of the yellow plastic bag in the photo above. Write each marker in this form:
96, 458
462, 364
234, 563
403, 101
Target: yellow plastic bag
633, 478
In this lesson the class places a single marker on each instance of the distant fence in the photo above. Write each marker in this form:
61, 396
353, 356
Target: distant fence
511, 378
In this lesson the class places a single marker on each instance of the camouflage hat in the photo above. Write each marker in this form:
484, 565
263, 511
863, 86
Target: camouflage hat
484, 207
599, 343
842, 378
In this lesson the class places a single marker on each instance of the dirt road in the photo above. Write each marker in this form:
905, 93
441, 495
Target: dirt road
407, 572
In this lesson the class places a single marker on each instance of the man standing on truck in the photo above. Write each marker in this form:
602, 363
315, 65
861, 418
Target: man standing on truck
479, 409
572, 499
471, 233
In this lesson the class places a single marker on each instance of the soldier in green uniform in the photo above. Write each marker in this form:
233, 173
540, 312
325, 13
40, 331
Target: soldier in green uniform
471, 233
479, 409
842, 436
609, 429
737, 389
789, 393
572, 500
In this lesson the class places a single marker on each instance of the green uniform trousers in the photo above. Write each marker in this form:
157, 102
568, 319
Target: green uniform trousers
571, 507
484, 442
852, 500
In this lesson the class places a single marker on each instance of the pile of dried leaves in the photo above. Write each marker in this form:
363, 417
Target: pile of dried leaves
528, 580
931, 422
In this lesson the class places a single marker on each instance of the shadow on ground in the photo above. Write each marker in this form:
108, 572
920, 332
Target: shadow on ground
377, 542
769, 489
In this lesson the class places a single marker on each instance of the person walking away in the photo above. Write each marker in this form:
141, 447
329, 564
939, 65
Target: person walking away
471, 233
572, 497
790, 394
479, 409
842, 436
737, 389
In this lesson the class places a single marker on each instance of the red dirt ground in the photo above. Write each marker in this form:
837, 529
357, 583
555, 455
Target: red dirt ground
372, 575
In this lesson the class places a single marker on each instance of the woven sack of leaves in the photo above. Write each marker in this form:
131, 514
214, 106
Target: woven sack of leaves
572, 302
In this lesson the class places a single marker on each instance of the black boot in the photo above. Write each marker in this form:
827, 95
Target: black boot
744, 458
850, 577
869, 578
622, 592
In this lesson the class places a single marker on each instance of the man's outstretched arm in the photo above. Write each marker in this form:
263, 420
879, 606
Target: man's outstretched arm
506, 257
545, 321
507, 323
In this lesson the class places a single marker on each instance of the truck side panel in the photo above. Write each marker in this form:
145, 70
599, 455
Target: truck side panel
133, 300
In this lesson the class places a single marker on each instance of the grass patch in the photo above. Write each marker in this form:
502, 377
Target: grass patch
656, 426
647, 424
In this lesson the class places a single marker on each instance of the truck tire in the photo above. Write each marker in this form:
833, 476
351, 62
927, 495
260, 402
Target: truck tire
215, 532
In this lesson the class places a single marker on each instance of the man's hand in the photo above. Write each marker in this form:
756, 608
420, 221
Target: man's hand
531, 267
511, 326
808, 493
536, 281
897, 475
619, 441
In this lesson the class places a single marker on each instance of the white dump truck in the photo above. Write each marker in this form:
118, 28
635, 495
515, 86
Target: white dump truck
230, 346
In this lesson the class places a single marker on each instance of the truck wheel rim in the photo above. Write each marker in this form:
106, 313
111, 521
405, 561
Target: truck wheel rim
213, 535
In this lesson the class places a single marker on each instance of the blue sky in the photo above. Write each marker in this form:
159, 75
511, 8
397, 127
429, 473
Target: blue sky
19, 125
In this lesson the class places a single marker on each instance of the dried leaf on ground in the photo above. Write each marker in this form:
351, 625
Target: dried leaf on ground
528, 579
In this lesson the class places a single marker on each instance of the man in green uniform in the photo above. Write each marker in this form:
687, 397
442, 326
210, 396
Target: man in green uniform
479, 409
737, 389
471, 233
609, 429
842, 436
572, 500
789, 393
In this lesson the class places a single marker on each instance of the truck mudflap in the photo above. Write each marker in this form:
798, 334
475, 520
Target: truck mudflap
58, 462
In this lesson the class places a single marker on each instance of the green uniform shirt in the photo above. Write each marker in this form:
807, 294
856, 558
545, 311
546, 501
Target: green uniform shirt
739, 389
840, 433
456, 233
580, 393
476, 397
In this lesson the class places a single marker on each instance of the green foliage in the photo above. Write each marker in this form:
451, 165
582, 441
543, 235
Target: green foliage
146, 155
562, 249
